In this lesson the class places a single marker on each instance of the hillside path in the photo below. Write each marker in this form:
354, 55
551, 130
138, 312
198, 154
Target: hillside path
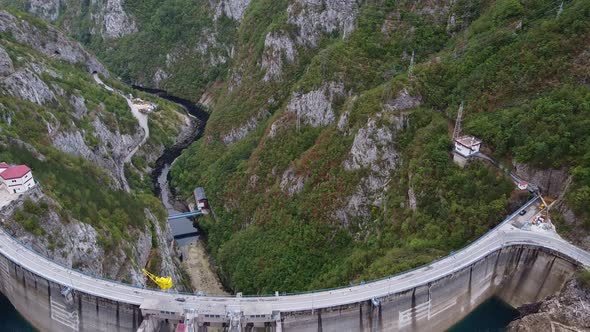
142, 119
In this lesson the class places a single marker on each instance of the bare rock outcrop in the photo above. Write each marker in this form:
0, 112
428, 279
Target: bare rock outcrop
49, 42
277, 46
76, 244
6, 66
292, 183
374, 149
109, 154
114, 21
567, 311
314, 18
315, 107
166, 249
242, 131
26, 85
48, 10
550, 181
233, 9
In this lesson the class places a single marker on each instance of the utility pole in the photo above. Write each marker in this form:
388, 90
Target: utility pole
559, 10
457, 130
298, 120
411, 68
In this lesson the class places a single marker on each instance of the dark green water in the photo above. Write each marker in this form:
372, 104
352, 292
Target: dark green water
10, 319
493, 315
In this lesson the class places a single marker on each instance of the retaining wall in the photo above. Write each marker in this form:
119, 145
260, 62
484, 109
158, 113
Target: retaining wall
517, 274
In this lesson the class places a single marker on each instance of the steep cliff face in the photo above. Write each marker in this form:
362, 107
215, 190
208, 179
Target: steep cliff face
183, 45
567, 311
231, 8
73, 243
316, 18
100, 18
77, 137
352, 159
329, 133
112, 20
48, 41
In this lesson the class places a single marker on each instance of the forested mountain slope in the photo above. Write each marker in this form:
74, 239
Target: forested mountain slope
327, 154
75, 136
181, 46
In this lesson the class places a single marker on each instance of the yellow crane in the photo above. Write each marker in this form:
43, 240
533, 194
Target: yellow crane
163, 282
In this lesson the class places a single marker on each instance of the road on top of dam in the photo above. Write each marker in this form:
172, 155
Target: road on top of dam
503, 235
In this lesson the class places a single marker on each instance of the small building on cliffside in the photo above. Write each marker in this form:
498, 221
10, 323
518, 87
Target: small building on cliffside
201, 200
467, 145
16, 179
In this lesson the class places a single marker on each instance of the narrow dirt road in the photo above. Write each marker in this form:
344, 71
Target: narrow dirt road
142, 119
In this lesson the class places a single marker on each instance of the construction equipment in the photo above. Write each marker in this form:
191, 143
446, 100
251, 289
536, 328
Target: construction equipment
163, 282
543, 215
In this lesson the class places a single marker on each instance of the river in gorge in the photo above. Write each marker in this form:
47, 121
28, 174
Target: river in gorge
491, 316
182, 229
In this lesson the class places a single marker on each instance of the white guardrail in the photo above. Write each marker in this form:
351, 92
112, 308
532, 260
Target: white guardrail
493, 240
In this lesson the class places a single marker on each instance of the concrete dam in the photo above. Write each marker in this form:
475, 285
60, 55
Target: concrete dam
518, 266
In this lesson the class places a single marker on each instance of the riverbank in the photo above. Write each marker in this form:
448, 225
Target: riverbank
202, 274
196, 260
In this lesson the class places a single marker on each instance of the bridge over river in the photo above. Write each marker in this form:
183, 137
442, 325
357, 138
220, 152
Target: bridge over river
519, 266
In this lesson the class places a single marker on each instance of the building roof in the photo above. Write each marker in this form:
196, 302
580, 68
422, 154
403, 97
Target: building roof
15, 172
200, 194
4, 165
522, 183
468, 141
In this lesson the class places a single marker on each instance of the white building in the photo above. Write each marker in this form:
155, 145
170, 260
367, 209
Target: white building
467, 145
16, 179
523, 185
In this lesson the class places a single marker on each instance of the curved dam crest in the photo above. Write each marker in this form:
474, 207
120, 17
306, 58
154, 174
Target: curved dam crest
518, 266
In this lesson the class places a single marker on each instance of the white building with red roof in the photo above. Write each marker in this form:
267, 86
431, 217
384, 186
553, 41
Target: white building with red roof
16, 179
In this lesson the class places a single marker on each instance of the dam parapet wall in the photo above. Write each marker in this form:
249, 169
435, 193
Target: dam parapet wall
516, 274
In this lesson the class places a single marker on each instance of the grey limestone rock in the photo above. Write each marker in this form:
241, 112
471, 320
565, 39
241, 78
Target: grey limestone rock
277, 46
566, 311
26, 85
240, 132
48, 10
49, 42
374, 149
314, 18
6, 67
315, 107
116, 22
291, 183
233, 9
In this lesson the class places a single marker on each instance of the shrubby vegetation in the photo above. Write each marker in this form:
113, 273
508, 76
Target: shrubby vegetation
512, 63
83, 192
583, 277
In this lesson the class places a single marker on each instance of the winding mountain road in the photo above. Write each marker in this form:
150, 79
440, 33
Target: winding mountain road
502, 236
142, 119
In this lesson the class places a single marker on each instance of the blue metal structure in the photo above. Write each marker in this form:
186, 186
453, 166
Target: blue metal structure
185, 215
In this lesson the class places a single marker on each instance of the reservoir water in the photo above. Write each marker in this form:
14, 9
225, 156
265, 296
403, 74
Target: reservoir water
493, 315
10, 319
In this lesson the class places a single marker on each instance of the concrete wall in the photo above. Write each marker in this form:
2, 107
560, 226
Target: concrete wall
42, 303
518, 274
